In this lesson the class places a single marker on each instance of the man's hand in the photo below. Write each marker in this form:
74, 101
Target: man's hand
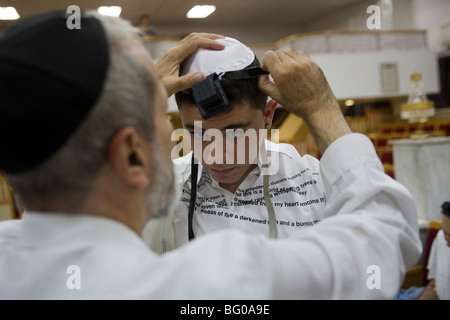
429, 293
301, 87
168, 66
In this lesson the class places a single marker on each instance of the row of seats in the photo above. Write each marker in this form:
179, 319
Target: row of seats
404, 127
383, 139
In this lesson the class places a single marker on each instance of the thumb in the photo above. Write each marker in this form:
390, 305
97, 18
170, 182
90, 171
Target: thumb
268, 87
188, 81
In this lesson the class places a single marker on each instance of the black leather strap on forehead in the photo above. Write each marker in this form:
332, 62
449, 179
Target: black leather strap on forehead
209, 94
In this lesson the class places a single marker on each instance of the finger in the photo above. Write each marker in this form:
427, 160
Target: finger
270, 59
186, 82
282, 56
186, 47
268, 87
291, 53
191, 44
213, 36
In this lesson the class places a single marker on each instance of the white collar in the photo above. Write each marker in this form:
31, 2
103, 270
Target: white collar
50, 228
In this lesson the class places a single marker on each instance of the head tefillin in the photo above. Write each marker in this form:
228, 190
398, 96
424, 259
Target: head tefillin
209, 94
222, 68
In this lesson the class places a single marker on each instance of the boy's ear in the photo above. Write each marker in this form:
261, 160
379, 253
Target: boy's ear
269, 112
129, 157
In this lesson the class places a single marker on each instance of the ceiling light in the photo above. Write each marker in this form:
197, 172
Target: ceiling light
8, 13
113, 11
200, 12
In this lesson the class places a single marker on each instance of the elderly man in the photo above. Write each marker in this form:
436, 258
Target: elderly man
84, 144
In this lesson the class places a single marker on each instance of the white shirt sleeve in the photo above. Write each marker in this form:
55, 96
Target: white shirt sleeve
360, 252
364, 248
432, 265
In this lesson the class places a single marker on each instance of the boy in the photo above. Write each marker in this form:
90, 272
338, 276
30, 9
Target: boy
230, 193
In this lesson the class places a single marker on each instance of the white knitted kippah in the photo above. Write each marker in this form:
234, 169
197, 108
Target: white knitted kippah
236, 56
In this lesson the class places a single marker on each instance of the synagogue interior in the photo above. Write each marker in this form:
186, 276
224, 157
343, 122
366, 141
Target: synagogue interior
389, 70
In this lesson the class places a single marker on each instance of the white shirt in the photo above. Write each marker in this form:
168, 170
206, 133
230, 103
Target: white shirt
295, 186
373, 222
439, 266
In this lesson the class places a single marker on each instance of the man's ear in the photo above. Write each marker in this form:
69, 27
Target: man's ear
129, 157
270, 111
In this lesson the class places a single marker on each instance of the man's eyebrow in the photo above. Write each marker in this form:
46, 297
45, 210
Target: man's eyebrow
231, 126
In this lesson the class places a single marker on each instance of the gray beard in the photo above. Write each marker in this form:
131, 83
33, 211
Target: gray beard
164, 195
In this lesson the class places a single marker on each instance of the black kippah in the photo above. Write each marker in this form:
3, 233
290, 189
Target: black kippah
50, 78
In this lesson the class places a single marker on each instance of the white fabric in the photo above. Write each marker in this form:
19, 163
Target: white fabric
439, 266
296, 189
373, 222
235, 56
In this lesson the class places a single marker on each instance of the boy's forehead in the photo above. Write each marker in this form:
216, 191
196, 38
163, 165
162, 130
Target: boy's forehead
240, 113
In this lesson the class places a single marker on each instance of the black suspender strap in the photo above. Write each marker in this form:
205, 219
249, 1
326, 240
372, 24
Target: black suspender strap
194, 173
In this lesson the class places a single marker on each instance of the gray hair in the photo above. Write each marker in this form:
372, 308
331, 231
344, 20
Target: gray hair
127, 100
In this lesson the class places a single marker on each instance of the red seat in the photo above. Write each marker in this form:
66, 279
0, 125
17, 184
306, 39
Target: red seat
389, 170
390, 173
400, 129
381, 142
445, 127
387, 157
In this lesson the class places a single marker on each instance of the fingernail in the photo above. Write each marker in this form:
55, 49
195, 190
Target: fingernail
199, 77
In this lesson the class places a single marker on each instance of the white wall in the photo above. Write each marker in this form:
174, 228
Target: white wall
431, 15
428, 15
353, 17
403, 13
358, 75
254, 34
